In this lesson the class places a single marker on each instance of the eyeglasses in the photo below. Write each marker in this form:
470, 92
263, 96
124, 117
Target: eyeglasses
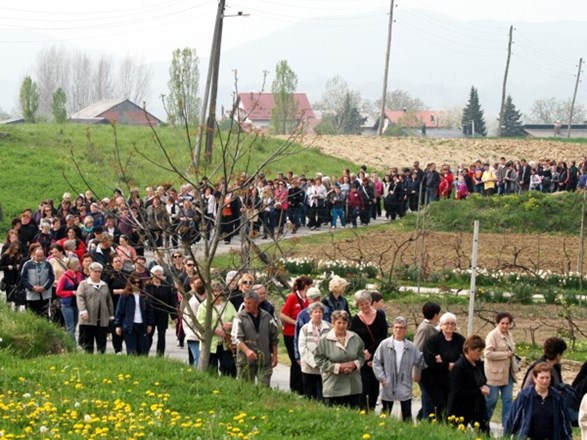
450, 323
189, 264
247, 282
178, 256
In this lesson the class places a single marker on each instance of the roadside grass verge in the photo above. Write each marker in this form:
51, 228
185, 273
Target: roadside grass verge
82, 396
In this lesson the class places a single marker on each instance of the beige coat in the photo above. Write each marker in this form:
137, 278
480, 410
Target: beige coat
498, 366
92, 298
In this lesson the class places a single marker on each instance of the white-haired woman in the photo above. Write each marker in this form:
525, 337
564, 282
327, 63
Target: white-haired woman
308, 339
162, 297
95, 310
440, 353
371, 326
335, 300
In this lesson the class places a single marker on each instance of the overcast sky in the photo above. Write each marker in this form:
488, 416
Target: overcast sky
153, 28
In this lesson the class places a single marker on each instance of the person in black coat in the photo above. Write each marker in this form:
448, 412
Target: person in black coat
468, 386
441, 352
162, 298
126, 323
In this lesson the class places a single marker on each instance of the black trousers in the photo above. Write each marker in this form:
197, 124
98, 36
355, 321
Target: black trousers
160, 329
370, 388
39, 307
296, 383
90, 334
406, 406
312, 386
351, 401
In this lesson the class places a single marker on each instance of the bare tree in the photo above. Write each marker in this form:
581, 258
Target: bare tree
103, 79
134, 79
232, 173
80, 89
548, 110
51, 71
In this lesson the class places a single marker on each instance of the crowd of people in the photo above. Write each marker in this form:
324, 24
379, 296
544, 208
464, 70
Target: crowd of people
82, 264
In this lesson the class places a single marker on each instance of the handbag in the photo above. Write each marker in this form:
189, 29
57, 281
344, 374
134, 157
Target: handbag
3, 285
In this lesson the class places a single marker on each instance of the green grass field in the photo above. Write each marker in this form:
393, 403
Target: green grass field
45, 160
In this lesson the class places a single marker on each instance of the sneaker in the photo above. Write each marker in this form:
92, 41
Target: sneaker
333, 227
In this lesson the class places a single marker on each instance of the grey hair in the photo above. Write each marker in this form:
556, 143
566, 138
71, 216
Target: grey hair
362, 296
69, 245
96, 266
447, 316
316, 305
401, 320
251, 294
72, 263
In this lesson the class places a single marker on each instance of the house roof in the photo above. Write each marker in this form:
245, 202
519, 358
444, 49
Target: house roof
430, 118
258, 106
96, 109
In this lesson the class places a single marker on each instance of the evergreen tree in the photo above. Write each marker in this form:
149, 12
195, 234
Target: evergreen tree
284, 114
58, 106
29, 99
348, 119
183, 104
512, 125
473, 115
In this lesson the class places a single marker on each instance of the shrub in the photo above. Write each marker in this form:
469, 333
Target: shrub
522, 294
27, 336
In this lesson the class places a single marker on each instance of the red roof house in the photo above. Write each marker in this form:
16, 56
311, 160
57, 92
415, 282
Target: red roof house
431, 119
255, 110
122, 111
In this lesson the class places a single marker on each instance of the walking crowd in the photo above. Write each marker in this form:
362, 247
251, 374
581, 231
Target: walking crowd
82, 264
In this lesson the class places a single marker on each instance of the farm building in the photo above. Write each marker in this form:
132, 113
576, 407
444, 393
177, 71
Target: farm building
555, 130
121, 111
425, 123
255, 110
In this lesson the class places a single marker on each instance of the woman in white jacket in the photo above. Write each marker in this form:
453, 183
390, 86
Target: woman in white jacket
393, 363
308, 339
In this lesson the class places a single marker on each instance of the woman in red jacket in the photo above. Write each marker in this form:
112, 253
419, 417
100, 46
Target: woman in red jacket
66, 288
294, 304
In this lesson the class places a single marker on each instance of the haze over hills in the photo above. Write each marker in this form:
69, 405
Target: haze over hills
434, 57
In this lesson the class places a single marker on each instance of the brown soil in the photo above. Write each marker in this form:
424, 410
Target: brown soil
382, 153
453, 250
446, 250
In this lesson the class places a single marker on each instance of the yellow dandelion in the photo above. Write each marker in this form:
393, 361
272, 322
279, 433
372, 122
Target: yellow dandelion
366, 436
215, 392
362, 412
476, 425
461, 427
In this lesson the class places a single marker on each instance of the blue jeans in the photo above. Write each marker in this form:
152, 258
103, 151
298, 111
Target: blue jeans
194, 347
427, 405
506, 399
70, 316
294, 213
338, 213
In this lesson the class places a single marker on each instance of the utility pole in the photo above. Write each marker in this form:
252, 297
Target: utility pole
213, 64
505, 81
211, 125
574, 98
386, 70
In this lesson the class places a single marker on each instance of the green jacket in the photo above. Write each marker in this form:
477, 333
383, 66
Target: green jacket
330, 354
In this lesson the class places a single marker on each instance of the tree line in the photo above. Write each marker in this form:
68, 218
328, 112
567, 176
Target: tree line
65, 82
